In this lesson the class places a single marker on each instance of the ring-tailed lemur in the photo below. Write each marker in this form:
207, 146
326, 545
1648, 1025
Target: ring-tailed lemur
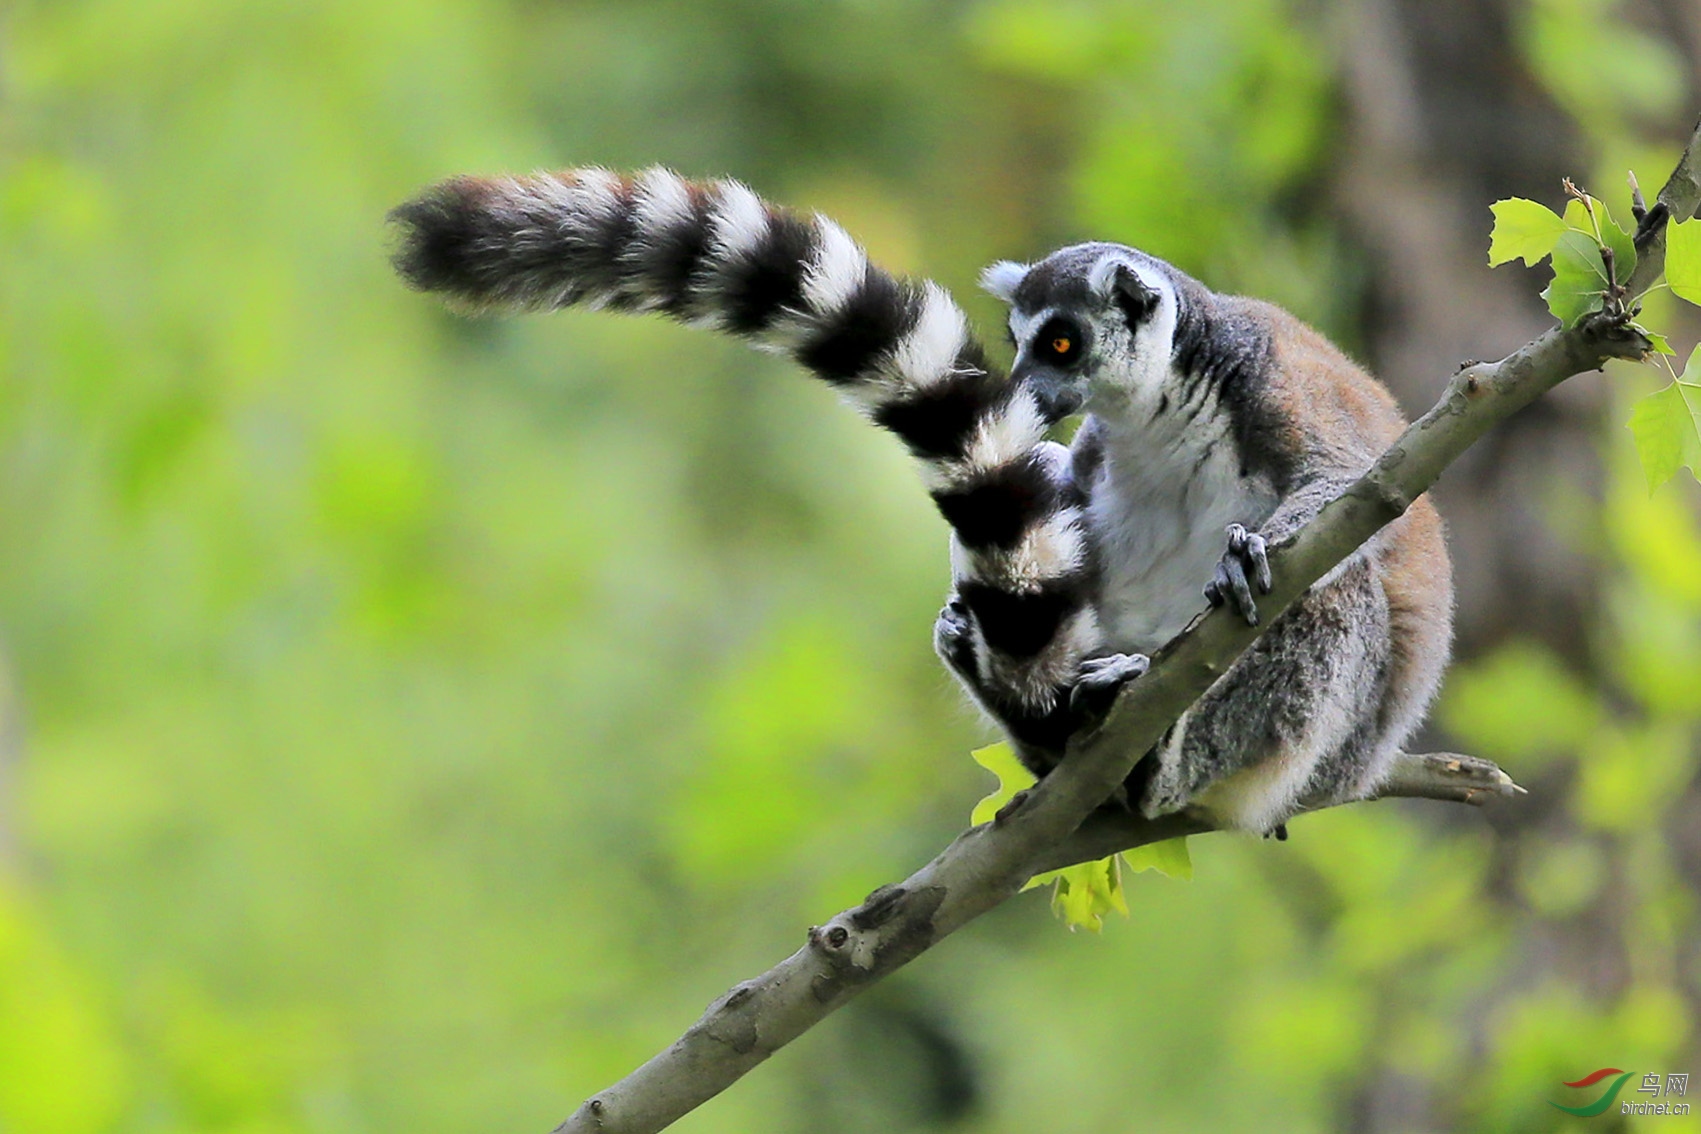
1209, 414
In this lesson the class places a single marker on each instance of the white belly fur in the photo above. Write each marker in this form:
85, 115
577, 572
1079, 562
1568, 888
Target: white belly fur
1161, 517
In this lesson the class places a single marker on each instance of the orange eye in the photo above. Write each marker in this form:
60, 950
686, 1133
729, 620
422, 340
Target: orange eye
1061, 344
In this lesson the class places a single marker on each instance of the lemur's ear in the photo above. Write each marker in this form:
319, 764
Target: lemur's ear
1132, 295
1001, 280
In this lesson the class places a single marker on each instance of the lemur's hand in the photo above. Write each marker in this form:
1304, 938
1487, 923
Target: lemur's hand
1100, 680
953, 637
1243, 564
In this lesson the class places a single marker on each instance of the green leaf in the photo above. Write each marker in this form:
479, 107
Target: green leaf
1169, 858
1580, 275
1623, 245
1082, 894
1659, 340
1012, 778
1522, 229
1667, 426
1579, 278
1683, 260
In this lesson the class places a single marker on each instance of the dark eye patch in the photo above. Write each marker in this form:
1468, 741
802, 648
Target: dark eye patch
1059, 342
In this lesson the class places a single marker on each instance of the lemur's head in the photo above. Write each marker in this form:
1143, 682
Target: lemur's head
1091, 323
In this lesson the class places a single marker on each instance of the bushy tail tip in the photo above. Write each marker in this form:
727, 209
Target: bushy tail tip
445, 240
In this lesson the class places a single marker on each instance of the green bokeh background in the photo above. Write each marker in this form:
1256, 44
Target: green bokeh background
411, 723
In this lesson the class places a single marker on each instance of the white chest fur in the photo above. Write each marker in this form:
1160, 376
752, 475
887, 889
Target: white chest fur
1160, 504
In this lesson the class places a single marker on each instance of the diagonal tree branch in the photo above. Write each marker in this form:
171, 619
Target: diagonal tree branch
1057, 823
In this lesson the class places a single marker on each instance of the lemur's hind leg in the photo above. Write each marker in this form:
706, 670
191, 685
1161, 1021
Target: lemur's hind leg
1286, 725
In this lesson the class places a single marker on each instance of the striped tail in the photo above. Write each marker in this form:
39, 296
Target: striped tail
714, 254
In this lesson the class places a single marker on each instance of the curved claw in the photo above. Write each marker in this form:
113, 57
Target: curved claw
1101, 679
1246, 563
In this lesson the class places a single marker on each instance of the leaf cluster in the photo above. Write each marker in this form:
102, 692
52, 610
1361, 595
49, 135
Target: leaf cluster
1592, 257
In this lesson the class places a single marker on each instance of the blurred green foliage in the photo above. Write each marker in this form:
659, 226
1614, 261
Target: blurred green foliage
418, 720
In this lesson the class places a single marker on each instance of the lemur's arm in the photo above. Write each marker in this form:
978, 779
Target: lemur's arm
714, 254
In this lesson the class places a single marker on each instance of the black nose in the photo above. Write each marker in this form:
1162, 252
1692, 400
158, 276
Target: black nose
1057, 400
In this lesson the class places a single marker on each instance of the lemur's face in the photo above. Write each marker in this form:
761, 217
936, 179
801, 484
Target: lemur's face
1091, 324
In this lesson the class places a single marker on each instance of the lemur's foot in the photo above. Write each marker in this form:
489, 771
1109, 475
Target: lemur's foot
1243, 564
1100, 680
953, 636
